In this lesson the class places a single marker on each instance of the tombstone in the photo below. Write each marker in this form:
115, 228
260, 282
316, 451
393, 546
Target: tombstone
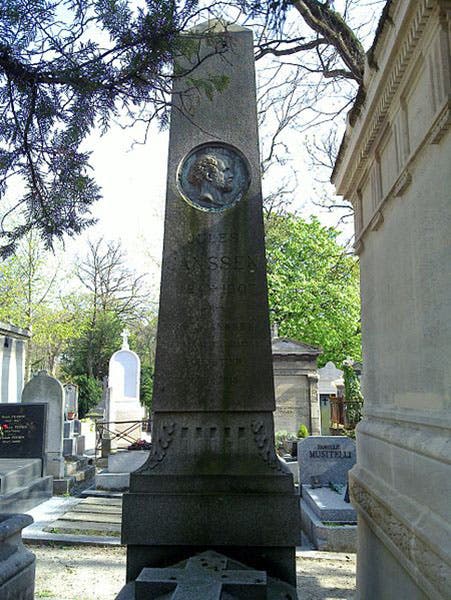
70, 401
22, 451
123, 402
43, 388
327, 457
13, 346
17, 563
296, 386
213, 479
73, 441
327, 517
394, 166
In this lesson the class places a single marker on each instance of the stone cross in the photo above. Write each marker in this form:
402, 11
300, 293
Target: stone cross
204, 576
124, 335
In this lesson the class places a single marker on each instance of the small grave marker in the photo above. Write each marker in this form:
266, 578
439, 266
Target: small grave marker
205, 576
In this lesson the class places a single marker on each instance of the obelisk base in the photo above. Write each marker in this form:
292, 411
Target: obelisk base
261, 530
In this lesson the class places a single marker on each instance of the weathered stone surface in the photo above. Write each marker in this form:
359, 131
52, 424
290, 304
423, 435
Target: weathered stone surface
213, 479
43, 388
327, 457
21, 484
17, 564
394, 167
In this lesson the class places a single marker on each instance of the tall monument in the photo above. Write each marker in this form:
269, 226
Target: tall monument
213, 481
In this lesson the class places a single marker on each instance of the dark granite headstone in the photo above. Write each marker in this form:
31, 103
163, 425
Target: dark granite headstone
213, 479
22, 430
326, 458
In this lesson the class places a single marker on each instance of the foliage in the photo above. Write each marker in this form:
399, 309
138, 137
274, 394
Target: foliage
65, 68
89, 393
146, 386
282, 439
115, 296
303, 431
69, 68
90, 353
353, 394
313, 286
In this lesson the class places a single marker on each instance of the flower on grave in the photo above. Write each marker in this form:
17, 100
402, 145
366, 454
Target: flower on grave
140, 445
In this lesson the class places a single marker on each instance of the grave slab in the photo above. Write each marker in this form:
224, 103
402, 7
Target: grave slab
329, 505
326, 536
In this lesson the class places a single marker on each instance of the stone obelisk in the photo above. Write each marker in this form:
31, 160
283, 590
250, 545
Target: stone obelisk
213, 480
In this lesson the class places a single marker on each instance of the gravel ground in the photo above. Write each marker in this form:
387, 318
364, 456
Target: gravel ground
97, 573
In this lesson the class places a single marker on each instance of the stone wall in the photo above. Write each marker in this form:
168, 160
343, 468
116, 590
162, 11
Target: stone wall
394, 165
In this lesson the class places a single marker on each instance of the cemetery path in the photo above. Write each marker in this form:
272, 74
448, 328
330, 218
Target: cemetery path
98, 573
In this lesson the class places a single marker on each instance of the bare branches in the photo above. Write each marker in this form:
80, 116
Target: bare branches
331, 26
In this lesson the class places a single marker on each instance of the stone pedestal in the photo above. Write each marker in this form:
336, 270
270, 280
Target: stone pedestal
17, 564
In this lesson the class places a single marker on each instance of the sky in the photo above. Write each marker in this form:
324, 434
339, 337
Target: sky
133, 181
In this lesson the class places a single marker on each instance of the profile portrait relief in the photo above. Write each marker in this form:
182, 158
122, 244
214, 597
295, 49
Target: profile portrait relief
213, 177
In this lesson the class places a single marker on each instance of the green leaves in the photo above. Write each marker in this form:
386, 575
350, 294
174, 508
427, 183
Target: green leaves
209, 86
313, 286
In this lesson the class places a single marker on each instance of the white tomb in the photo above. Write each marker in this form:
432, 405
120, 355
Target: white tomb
123, 390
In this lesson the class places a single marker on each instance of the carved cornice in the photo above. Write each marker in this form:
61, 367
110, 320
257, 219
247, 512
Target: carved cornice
441, 125
385, 92
425, 565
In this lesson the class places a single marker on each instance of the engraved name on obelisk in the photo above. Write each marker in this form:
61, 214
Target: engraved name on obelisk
213, 480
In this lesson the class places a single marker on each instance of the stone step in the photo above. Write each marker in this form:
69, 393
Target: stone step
97, 509
84, 528
73, 465
102, 500
89, 517
18, 472
26, 497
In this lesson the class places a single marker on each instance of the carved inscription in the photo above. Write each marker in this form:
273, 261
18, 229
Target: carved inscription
22, 429
194, 263
329, 451
214, 438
